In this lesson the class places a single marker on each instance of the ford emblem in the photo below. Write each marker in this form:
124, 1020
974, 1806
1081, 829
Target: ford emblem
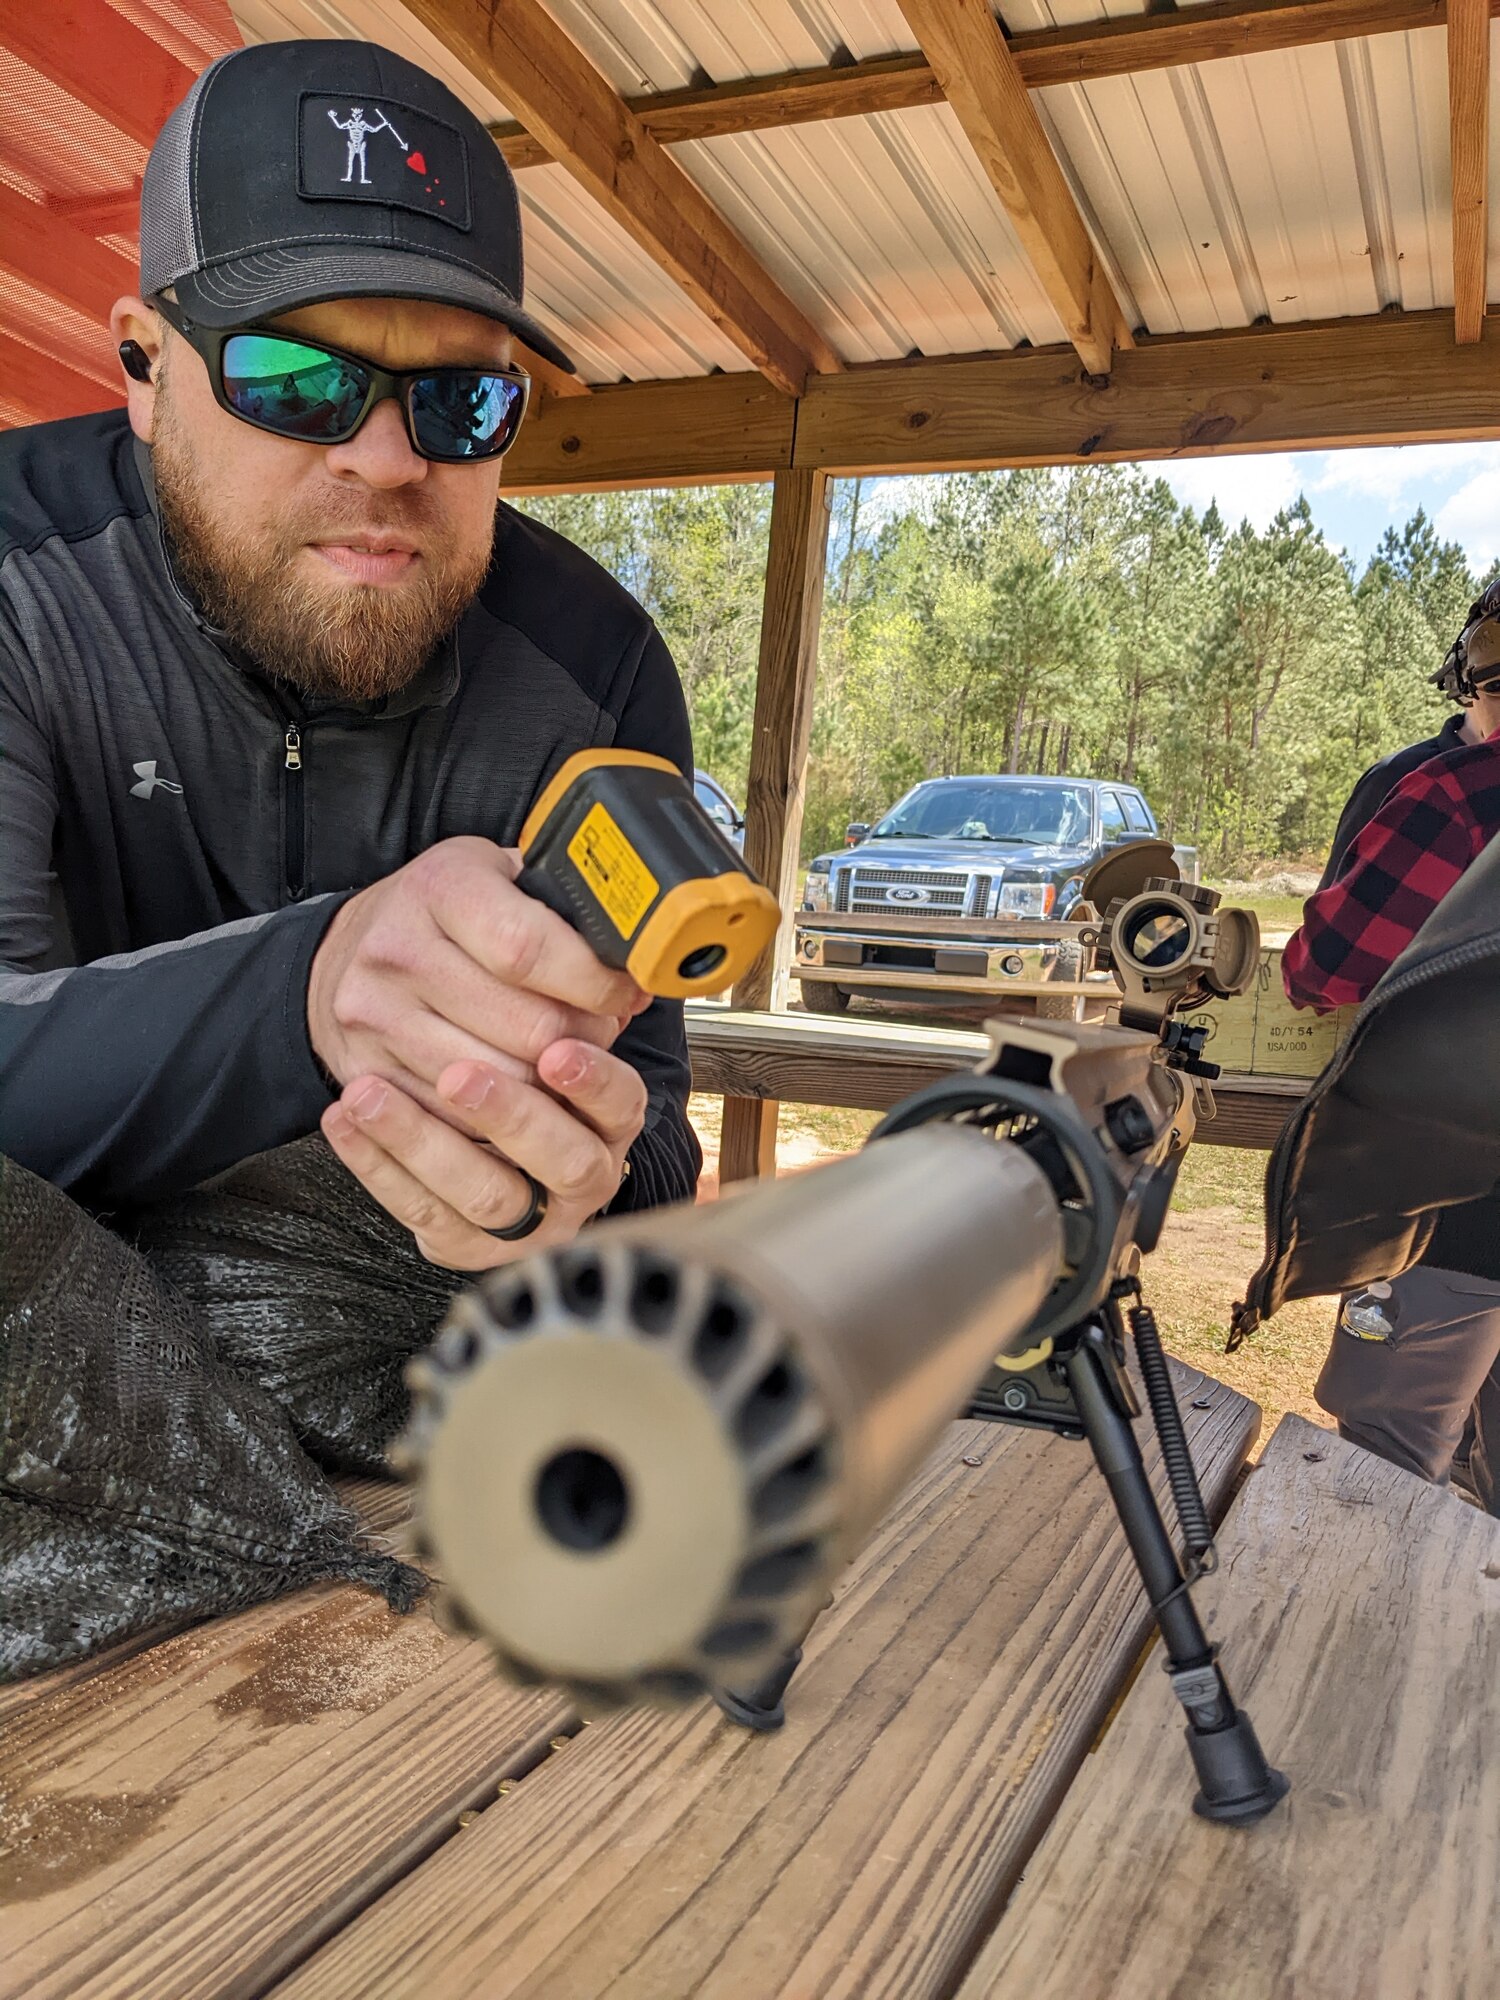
906, 895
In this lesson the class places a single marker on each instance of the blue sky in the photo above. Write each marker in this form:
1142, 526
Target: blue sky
1355, 495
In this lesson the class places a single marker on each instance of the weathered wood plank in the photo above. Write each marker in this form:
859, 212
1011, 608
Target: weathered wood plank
781, 730
1251, 1111
384, 1510
1353, 381
187, 1822
756, 103
871, 1065
945, 1702
1362, 1610
747, 1139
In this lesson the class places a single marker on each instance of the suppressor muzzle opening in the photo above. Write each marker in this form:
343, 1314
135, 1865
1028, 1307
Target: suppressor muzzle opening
582, 1500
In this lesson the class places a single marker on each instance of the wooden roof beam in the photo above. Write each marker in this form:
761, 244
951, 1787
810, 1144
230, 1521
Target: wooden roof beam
1386, 379
963, 42
518, 51
117, 213
47, 388
1048, 56
1469, 128
97, 56
38, 248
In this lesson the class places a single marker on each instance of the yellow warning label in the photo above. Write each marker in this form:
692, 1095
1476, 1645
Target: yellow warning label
623, 884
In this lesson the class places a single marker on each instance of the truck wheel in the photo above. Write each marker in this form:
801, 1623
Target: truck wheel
820, 996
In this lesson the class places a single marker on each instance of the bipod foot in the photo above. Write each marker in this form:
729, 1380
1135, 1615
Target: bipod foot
762, 1707
1238, 1785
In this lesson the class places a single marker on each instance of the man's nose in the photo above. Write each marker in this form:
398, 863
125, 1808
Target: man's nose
379, 454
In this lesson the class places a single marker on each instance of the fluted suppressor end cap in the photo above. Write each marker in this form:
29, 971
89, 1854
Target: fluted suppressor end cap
634, 1490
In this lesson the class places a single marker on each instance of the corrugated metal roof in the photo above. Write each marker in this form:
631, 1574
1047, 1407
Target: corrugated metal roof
1306, 184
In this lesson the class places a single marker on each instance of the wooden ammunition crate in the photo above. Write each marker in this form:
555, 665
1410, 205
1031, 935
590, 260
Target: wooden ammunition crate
1260, 1033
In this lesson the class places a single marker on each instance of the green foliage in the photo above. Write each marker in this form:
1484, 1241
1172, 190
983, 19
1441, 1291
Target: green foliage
1077, 621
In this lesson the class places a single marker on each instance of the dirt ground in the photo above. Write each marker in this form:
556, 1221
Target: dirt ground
1211, 1244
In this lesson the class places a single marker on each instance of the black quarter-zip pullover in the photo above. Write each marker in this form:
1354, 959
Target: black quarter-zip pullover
177, 831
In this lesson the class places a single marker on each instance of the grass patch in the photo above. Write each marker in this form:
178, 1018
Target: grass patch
1276, 913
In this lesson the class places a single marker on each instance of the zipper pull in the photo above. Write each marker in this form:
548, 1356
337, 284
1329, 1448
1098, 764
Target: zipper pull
293, 747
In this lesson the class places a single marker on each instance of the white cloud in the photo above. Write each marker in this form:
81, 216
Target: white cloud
1253, 487
1472, 516
1389, 472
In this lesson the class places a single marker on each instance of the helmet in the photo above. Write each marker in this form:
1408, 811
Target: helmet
1473, 662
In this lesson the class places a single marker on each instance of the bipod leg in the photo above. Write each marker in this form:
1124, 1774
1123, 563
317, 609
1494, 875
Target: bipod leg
761, 1708
1237, 1784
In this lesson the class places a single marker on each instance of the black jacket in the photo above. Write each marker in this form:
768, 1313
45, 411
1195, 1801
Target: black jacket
165, 877
1377, 784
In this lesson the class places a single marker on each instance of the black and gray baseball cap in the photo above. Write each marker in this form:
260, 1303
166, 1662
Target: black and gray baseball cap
295, 172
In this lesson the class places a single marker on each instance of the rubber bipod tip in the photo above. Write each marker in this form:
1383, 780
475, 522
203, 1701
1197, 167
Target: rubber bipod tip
762, 1707
1238, 1785
750, 1713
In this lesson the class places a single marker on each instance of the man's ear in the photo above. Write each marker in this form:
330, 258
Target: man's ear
139, 333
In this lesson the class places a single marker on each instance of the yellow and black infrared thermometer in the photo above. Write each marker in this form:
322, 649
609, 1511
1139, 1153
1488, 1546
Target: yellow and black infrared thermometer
619, 846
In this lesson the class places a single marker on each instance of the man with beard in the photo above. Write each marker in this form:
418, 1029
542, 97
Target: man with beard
279, 681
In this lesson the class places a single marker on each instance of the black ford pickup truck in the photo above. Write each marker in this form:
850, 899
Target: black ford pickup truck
961, 882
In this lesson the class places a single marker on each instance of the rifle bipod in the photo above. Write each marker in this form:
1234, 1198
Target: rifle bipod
1079, 1388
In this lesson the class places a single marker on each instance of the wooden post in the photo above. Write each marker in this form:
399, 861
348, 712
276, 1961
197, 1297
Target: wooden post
784, 687
1469, 144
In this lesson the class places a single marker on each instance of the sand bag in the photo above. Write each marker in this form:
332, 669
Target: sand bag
309, 1289
143, 1483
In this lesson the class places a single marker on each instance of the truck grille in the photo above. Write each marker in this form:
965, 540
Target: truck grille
947, 894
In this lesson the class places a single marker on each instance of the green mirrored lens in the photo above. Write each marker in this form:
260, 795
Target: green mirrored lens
299, 391
462, 415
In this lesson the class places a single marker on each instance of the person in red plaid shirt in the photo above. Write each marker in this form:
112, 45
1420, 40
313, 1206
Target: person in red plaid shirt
1413, 1371
1395, 874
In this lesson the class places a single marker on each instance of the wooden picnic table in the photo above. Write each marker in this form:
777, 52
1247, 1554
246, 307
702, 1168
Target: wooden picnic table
318, 1800
1363, 1610
870, 1065
271, 1803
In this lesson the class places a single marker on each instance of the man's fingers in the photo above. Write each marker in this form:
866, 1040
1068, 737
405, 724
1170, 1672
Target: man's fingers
474, 901
574, 1154
599, 1087
444, 1188
510, 1018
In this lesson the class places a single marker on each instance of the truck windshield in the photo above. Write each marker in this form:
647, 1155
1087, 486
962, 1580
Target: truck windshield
1040, 815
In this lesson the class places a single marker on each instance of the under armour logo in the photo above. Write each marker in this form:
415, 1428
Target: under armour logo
150, 782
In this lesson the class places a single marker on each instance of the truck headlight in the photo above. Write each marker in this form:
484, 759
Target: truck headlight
815, 893
1026, 899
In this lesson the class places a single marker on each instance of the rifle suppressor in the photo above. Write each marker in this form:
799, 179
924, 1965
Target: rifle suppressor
672, 1436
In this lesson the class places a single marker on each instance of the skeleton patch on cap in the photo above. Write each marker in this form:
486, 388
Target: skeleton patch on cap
382, 152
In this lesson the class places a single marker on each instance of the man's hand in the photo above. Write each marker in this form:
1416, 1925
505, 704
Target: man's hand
463, 1016
448, 1190
447, 961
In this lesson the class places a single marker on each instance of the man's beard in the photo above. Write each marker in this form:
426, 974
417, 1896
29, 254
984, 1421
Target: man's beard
358, 641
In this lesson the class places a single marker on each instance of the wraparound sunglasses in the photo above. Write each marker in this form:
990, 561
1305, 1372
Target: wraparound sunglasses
304, 389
